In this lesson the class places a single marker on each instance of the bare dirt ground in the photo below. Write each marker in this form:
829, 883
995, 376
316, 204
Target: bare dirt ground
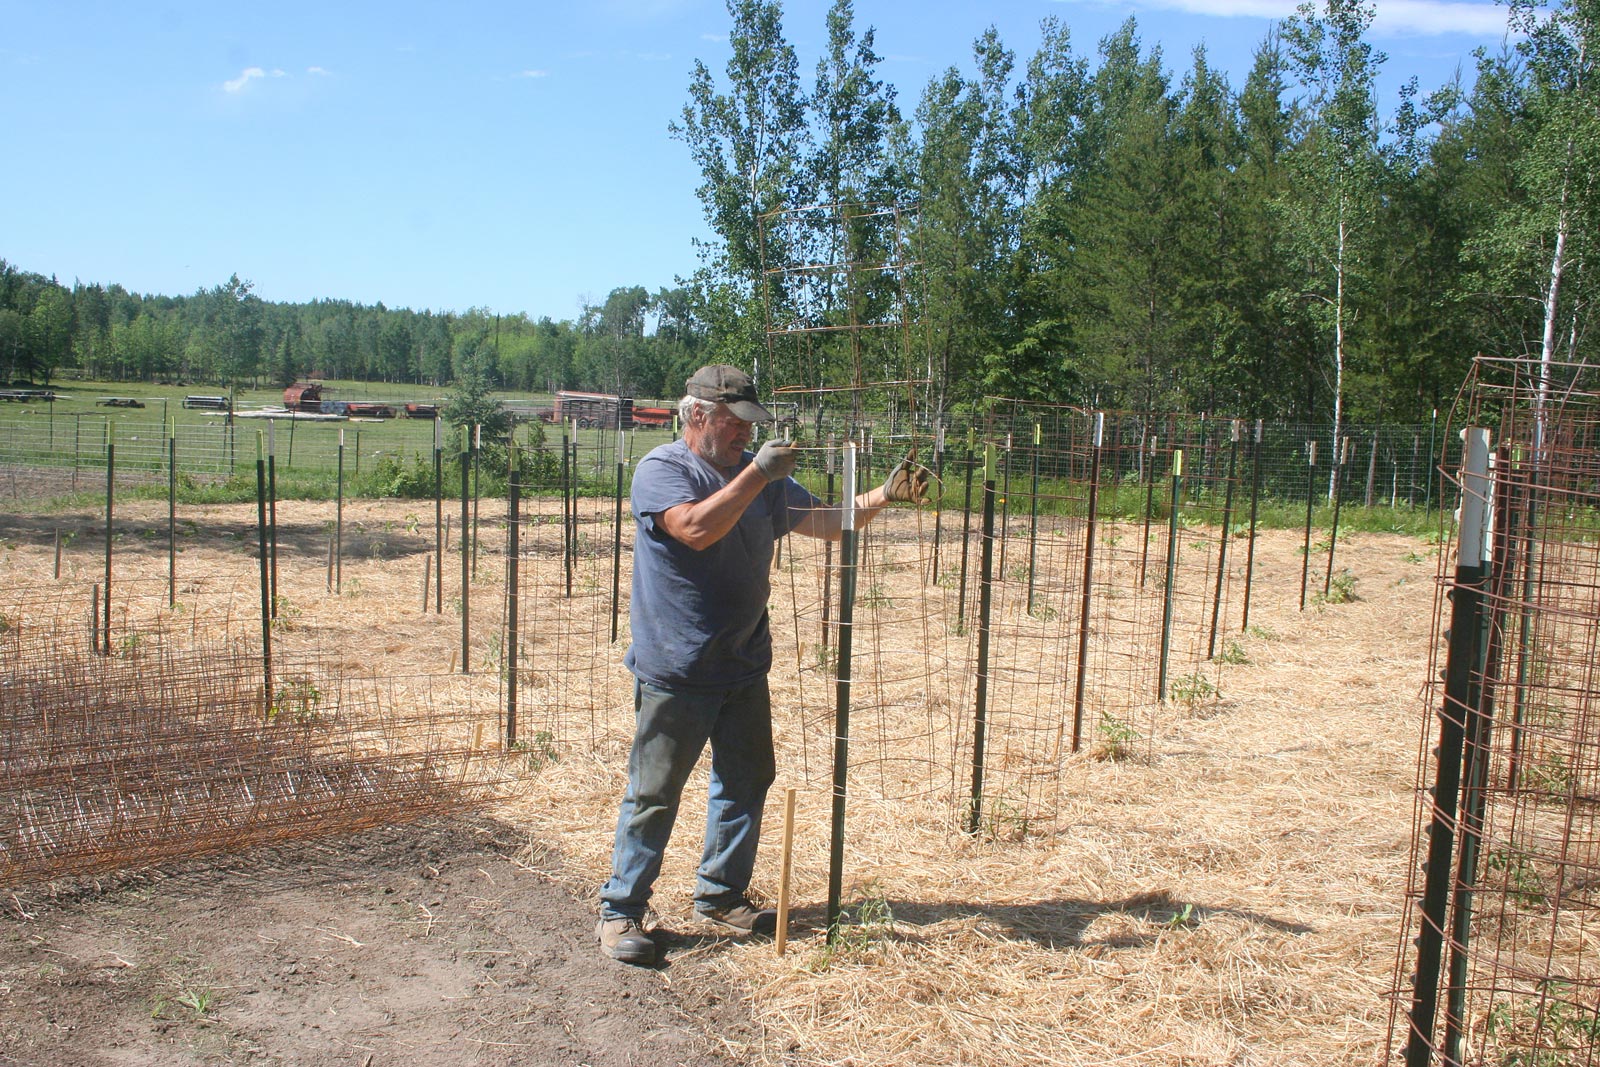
418, 945
1230, 894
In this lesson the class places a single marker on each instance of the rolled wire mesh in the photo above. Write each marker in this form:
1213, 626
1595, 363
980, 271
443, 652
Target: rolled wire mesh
1521, 979
168, 747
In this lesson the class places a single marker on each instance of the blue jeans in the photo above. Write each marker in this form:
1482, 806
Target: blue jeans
672, 730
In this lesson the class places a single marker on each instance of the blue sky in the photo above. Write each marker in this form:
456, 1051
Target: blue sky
508, 156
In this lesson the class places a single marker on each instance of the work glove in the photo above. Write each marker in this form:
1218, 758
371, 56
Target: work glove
907, 482
777, 460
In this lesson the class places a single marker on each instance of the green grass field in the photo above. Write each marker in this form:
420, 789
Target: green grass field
394, 457
216, 456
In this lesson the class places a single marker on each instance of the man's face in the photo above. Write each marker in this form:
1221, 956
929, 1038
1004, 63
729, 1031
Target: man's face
723, 437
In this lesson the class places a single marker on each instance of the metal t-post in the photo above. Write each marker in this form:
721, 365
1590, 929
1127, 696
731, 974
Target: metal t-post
966, 531
272, 512
827, 559
938, 502
1033, 516
1086, 596
466, 546
513, 602
1499, 569
616, 546
1172, 573
1255, 501
980, 713
172, 517
438, 513
1311, 495
338, 522
1222, 548
111, 495
265, 577
841, 728
1462, 658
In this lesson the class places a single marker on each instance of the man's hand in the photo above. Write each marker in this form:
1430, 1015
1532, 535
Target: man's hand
907, 482
777, 460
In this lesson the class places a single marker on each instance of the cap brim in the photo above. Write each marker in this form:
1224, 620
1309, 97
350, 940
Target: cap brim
750, 411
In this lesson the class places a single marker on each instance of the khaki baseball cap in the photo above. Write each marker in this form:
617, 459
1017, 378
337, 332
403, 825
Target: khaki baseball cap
730, 386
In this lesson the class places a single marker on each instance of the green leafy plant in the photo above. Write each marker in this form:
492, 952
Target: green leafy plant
298, 701
201, 1000
1543, 1028
1192, 688
1521, 877
873, 598
1117, 737
1007, 821
858, 930
538, 751
1341, 590
1232, 652
1550, 777
1183, 918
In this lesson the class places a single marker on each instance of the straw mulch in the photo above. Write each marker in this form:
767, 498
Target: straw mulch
1230, 893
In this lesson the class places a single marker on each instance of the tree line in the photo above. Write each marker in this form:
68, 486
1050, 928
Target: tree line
227, 335
1096, 230
1072, 228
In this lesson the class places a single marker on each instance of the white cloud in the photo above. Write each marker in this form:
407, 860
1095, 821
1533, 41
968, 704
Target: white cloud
1394, 18
1429, 17
317, 70
245, 77
277, 72
533, 74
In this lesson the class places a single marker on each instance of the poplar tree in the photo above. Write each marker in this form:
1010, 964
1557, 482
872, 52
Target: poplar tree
749, 143
1331, 214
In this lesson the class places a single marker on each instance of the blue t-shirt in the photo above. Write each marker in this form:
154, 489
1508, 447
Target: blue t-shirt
699, 618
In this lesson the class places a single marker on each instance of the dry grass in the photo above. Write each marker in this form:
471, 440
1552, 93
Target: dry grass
1230, 895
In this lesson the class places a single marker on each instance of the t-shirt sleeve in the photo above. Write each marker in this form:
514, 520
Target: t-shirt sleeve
660, 483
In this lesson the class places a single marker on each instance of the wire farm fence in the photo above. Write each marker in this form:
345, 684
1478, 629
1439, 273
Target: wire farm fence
1497, 963
1055, 599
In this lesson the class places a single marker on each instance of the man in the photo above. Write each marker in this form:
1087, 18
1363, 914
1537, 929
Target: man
707, 514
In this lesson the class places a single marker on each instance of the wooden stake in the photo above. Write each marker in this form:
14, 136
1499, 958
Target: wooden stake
781, 938
427, 581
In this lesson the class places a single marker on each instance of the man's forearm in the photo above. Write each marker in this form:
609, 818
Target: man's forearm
703, 523
827, 522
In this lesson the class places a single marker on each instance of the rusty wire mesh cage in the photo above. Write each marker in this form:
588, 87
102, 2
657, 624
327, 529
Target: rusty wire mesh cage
158, 739
1499, 964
